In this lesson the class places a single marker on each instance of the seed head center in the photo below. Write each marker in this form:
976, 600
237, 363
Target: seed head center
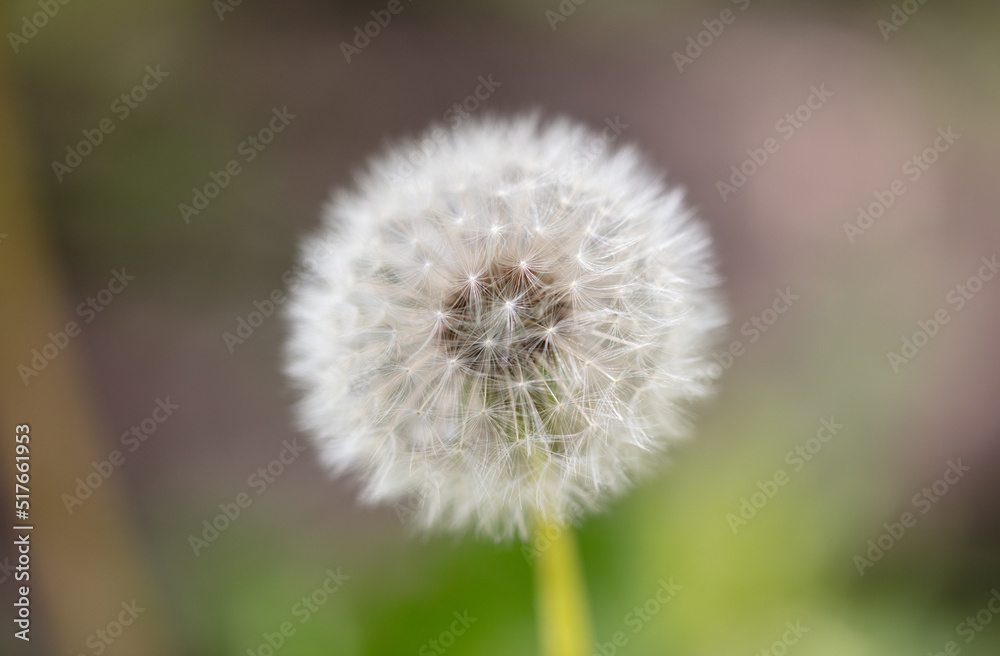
505, 322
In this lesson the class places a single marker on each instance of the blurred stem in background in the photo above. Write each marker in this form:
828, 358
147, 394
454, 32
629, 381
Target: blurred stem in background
561, 596
84, 564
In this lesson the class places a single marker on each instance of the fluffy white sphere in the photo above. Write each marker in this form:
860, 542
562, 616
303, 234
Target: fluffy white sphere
506, 330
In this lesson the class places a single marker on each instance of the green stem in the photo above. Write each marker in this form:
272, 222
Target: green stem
561, 597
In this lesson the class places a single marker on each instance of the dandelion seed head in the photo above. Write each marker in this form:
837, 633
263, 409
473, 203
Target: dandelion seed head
506, 331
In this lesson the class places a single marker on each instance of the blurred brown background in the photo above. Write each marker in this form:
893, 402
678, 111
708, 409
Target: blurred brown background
869, 99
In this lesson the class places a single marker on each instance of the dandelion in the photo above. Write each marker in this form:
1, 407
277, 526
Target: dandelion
511, 328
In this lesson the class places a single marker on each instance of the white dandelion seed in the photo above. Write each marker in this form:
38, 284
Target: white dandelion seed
510, 331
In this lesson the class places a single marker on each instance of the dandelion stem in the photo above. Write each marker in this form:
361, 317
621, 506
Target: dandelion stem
560, 593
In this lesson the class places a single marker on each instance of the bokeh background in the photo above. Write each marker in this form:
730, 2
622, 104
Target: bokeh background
229, 65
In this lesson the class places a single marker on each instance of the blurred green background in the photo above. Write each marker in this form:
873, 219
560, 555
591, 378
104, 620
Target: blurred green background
792, 560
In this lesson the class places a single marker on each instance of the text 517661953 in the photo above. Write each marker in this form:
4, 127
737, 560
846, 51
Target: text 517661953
22, 530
